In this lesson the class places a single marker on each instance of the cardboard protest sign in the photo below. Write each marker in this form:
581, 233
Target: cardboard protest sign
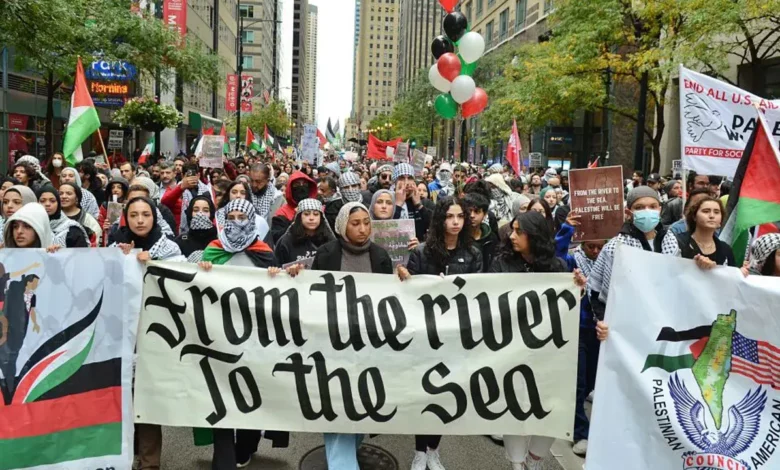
367, 353
115, 139
401, 154
596, 194
535, 159
211, 154
716, 121
306, 262
310, 144
394, 236
66, 356
432, 150
690, 387
114, 212
418, 162
676, 168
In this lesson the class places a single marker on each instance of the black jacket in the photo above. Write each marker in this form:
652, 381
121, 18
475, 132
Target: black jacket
487, 244
328, 258
723, 254
287, 250
461, 261
332, 209
76, 238
504, 263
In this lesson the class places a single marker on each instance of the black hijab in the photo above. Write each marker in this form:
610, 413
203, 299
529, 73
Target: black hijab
47, 188
125, 235
197, 239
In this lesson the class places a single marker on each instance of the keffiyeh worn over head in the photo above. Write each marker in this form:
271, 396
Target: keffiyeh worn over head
59, 222
158, 246
343, 217
403, 169
35, 164
346, 180
238, 235
761, 250
334, 168
385, 168
186, 198
495, 168
309, 205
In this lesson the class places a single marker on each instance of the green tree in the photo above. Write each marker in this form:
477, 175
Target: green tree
48, 36
274, 115
633, 39
413, 114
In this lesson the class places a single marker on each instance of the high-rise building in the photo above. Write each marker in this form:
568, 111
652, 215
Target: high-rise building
420, 22
261, 40
355, 50
310, 103
377, 60
299, 85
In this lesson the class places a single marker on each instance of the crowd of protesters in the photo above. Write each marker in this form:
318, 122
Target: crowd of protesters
272, 211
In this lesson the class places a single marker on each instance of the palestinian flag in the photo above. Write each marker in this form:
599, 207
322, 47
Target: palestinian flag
83, 120
199, 146
223, 133
678, 349
62, 406
755, 195
252, 143
270, 139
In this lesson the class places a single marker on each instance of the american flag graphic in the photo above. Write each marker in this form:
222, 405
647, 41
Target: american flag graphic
757, 360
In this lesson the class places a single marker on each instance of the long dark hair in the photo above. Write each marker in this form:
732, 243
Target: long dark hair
435, 247
321, 236
540, 239
547, 211
226, 197
769, 265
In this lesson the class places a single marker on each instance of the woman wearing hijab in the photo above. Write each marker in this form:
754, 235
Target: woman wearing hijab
308, 232
354, 252
383, 206
765, 256
88, 201
501, 199
240, 190
67, 232
13, 199
142, 231
202, 231
70, 204
530, 249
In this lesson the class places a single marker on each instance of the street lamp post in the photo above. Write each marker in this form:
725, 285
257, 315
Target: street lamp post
240, 66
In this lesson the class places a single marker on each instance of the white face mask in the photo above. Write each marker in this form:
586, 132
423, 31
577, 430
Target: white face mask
56, 163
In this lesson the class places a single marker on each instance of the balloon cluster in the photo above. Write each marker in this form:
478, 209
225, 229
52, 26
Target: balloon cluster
452, 71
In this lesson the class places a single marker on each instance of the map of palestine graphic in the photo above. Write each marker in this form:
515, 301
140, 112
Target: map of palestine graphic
712, 368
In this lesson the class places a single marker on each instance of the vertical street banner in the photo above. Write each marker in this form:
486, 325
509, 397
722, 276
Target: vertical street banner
716, 120
231, 96
689, 376
175, 15
247, 93
337, 352
68, 326
596, 194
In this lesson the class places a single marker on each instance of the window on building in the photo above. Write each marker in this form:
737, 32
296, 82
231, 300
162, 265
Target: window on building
479, 8
247, 37
491, 3
249, 62
520, 8
548, 6
247, 11
503, 23
468, 12
489, 33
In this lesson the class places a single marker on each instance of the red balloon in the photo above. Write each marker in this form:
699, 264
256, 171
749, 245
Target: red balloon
449, 66
476, 104
448, 5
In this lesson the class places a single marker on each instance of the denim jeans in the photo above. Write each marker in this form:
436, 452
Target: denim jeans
587, 363
341, 451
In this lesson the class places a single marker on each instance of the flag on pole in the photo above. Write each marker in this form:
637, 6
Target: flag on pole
148, 151
252, 143
223, 133
322, 138
270, 139
755, 195
329, 134
83, 120
513, 149
199, 147
594, 163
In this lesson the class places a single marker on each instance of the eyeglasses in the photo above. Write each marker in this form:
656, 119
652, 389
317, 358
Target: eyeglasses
385, 176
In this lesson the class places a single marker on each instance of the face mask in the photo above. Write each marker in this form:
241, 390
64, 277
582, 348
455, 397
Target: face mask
646, 219
201, 222
56, 163
445, 175
299, 193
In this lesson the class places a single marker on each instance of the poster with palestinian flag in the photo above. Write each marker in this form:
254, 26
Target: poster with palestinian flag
67, 327
689, 377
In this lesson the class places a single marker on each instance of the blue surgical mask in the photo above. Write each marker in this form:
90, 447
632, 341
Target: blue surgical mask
646, 219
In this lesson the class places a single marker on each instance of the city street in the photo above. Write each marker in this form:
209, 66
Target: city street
458, 453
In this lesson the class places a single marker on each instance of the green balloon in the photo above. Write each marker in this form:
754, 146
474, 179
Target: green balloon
467, 69
446, 106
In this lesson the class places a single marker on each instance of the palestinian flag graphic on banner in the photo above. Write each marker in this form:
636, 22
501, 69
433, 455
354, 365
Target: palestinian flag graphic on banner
65, 363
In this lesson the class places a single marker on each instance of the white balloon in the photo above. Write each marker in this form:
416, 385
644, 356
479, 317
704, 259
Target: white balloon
463, 88
471, 47
438, 82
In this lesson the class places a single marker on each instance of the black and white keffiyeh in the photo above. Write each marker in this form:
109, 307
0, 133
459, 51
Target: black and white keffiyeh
186, 198
201, 222
165, 250
403, 169
761, 249
346, 180
309, 205
262, 202
238, 235
61, 226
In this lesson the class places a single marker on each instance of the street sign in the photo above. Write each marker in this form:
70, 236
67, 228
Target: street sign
115, 139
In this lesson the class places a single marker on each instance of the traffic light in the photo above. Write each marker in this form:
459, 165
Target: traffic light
414, 144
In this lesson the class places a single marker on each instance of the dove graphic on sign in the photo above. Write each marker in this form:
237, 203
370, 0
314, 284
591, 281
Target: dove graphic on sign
700, 117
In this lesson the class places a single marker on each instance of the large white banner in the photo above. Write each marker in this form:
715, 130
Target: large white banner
336, 352
716, 121
688, 378
67, 334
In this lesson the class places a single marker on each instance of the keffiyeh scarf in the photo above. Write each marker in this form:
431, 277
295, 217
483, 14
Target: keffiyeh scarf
237, 235
262, 202
353, 194
186, 198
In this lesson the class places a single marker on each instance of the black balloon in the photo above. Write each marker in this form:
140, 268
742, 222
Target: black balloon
455, 25
441, 45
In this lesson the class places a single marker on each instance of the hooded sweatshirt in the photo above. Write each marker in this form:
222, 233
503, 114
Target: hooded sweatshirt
285, 214
35, 216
